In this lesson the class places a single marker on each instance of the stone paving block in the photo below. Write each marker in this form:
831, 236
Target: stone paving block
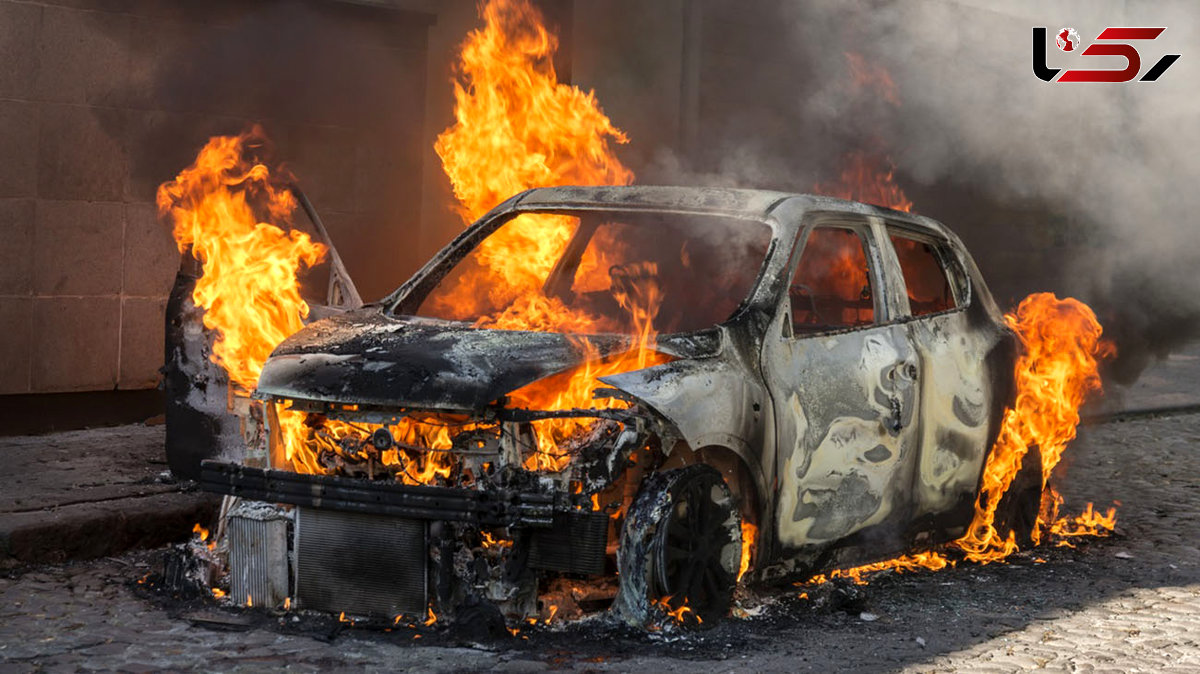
376, 251
324, 160
142, 335
151, 258
83, 56
77, 341
18, 147
16, 315
16, 246
125, 6
162, 143
81, 153
78, 248
156, 46
18, 48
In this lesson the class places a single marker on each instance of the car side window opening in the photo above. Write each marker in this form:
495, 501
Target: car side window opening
831, 288
925, 277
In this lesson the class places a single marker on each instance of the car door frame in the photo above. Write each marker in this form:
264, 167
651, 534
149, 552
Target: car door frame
784, 354
957, 393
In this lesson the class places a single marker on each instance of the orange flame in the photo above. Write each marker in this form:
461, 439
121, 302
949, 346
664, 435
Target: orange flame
227, 210
202, 533
930, 561
870, 179
517, 126
749, 535
573, 390
311, 443
1088, 523
681, 614
872, 76
1055, 373
491, 542
251, 294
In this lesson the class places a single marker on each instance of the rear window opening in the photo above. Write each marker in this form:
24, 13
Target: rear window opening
831, 289
925, 279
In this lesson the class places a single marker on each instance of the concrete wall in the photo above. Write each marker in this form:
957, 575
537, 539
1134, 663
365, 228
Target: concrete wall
102, 100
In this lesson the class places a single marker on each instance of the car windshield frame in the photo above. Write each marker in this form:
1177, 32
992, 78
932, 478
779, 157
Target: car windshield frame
407, 299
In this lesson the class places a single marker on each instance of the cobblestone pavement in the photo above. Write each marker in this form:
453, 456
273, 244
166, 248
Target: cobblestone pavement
1128, 603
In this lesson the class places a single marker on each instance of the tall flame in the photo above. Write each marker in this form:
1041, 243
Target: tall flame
516, 127
226, 208
749, 538
1055, 373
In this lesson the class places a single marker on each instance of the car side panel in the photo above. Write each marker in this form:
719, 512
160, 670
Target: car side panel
846, 409
955, 377
846, 444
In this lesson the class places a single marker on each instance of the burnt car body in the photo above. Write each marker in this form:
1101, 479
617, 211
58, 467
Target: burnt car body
844, 405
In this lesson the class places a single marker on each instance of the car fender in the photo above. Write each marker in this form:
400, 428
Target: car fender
711, 402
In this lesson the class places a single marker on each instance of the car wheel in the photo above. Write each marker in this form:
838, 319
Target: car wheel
1019, 507
681, 545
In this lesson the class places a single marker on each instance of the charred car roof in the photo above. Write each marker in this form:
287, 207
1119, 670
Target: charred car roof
737, 202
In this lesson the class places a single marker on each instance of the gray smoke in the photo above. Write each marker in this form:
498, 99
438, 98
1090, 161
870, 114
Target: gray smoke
1119, 159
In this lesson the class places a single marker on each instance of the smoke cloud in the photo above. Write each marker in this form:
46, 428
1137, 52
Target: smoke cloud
1119, 161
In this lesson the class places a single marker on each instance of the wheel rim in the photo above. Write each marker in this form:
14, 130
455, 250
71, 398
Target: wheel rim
690, 545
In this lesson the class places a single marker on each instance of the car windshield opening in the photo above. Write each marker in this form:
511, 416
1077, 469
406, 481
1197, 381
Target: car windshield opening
603, 272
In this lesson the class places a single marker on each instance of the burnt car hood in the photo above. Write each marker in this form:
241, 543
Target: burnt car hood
366, 357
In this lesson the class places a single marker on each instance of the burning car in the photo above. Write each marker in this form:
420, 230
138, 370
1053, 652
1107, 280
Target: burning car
678, 389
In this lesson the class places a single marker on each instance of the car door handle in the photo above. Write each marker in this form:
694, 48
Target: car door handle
895, 422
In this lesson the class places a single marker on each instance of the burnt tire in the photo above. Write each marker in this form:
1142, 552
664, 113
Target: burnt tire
1019, 507
681, 541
